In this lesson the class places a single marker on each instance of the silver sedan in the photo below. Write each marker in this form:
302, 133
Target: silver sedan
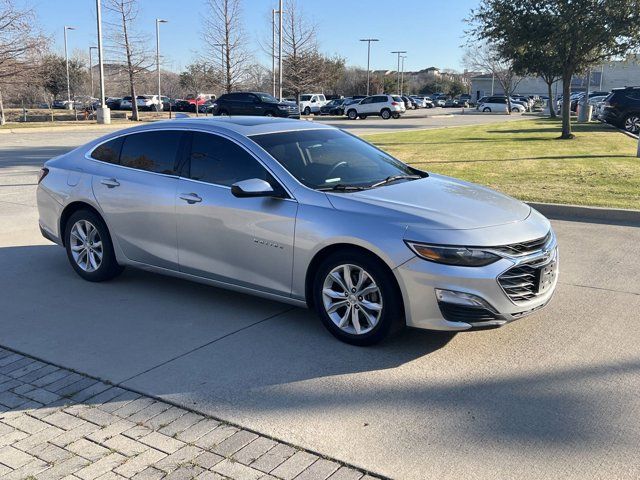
302, 213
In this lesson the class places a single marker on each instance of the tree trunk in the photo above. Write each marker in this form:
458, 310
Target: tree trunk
134, 100
2, 119
552, 108
566, 107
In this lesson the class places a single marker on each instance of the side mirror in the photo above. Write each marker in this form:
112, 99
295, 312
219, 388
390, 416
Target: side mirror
253, 187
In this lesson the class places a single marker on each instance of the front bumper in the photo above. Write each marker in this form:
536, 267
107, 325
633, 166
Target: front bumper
419, 279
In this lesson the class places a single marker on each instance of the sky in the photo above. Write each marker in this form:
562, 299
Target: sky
431, 31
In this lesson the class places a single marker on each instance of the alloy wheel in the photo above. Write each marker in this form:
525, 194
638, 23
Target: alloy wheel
352, 299
86, 246
632, 124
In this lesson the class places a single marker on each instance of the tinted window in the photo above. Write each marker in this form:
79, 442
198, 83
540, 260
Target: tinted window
217, 160
366, 100
109, 151
151, 151
379, 99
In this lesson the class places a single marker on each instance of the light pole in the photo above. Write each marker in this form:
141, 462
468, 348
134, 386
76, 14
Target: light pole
368, 40
399, 52
91, 68
158, 22
280, 50
273, 51
104, 114
402, 75
66, 58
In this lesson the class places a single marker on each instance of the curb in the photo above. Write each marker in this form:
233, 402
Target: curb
579, 213
64, 128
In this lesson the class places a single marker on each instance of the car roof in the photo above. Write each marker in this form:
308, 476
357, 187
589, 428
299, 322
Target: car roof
244, 125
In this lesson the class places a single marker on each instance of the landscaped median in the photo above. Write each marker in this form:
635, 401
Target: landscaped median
526, 160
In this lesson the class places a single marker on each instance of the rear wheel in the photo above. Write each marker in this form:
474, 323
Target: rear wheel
223, 113
352, 114
89, 247
268, 114
395, 115
486, 109
362, 117
357, 298
632, 123
385, 113
515, 110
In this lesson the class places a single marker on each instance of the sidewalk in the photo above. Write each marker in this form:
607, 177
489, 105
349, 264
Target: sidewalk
58, 424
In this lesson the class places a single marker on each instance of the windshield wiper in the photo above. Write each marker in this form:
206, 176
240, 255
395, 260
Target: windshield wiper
393, 178
341, 187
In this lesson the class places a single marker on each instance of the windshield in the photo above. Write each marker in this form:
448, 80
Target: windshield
265, 97
305, 98
325, 158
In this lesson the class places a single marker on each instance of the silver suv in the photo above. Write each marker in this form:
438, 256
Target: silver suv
302, 213
386, 106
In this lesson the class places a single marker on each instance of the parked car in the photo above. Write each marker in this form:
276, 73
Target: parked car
253, 103
149, 102
311, 103
199, 99
499, 104
438, 102
465, 97
60, 103
450, 103
423, 102
419, 101
113, 102
206, 107
168, 103
622, 109
125, 103
334, 107
184, 106
303, 213
386, 106
461, 103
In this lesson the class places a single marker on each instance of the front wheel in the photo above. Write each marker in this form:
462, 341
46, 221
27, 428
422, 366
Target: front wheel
352, 114
357, 298
632, 123
486, 109
515, 110
89, 247
306, 111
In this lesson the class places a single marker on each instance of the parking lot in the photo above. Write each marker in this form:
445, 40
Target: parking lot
554, 395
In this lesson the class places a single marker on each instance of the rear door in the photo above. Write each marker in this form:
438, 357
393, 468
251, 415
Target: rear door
137, 195
243, 241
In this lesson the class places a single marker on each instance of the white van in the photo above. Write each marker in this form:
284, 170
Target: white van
311, 103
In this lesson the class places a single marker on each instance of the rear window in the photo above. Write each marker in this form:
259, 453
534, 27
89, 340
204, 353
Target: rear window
109, 151
397, 98
305, 98
151, 151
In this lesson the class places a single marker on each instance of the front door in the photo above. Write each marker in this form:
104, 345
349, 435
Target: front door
243, 241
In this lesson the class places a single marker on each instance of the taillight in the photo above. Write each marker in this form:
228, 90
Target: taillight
42, 173
395, 104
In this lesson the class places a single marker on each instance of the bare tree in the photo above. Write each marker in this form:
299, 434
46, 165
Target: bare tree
301, 60
225, 39
19, 44
486, 58
126, 44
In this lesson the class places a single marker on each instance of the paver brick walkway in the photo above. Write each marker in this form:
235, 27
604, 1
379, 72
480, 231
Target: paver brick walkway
57, 424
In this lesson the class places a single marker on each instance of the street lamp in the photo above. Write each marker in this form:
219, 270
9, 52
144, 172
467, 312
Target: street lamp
399, 52
368, 40
280, 10
402, 75
158, 22
66, 58
104, 114
91, 68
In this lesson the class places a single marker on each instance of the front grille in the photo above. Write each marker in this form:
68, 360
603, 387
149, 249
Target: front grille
524, 248
461, 313
520, 283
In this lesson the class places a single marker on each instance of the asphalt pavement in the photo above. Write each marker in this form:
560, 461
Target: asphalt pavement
554, 395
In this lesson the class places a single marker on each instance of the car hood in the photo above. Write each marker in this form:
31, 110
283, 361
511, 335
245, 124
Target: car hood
436, 202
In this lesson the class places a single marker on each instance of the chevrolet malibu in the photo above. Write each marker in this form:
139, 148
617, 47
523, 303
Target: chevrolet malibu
302, 213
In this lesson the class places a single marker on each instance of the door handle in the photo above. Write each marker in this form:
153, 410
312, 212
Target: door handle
110, 182
190, 198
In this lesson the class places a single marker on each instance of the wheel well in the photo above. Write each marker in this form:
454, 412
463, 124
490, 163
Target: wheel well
341, 247
69, 210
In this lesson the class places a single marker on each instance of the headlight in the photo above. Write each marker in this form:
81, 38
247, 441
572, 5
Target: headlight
214, 105
450, 255
283, 107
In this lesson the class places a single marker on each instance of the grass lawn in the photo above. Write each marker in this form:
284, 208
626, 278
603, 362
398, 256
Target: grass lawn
524, 159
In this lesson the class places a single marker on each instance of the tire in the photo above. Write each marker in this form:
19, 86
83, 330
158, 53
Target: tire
100, 268
352, 114
385, 114
632, 123
223, 113
375, 324
362, 117
269, 114
395, 115
486, 109
515, 110
306, 111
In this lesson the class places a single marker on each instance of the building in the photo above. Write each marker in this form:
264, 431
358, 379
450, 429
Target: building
610, 75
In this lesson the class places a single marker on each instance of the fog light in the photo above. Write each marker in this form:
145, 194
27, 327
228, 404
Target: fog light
461, 298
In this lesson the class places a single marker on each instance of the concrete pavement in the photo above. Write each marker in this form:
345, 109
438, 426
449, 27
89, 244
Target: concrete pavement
554, 395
